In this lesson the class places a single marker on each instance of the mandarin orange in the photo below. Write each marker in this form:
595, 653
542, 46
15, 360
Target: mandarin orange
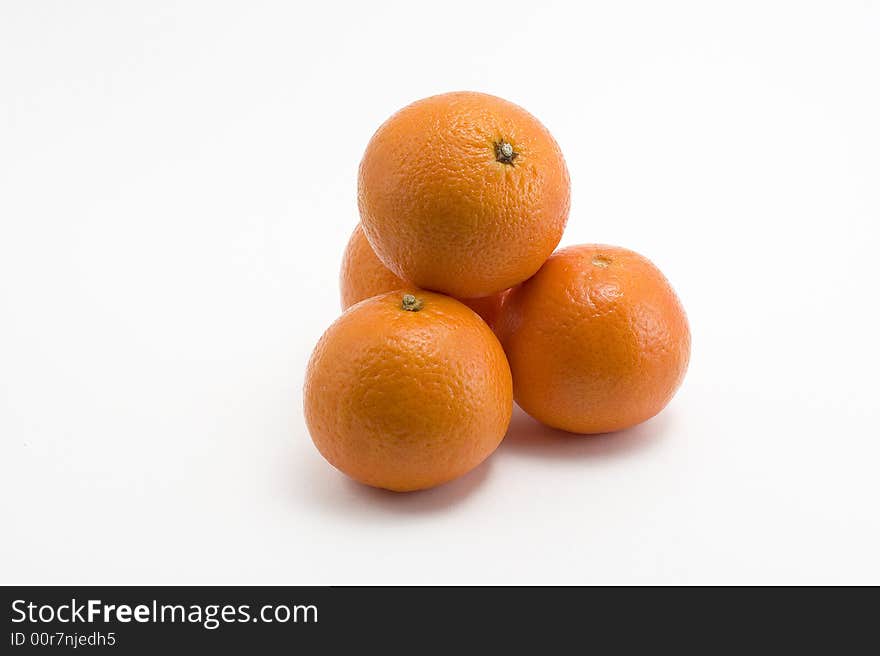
463, 193
407, 390
597, 340
363, 275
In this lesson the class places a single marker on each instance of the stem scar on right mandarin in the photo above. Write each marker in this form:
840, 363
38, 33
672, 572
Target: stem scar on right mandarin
410, 303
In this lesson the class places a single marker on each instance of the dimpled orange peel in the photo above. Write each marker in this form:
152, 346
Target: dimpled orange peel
597, 340
463, 193
407, 390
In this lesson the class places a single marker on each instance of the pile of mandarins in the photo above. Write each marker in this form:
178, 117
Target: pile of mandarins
455, 304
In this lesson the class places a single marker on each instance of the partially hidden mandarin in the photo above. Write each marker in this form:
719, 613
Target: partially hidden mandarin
363, 276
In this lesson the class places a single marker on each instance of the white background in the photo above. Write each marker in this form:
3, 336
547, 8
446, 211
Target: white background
177, 184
